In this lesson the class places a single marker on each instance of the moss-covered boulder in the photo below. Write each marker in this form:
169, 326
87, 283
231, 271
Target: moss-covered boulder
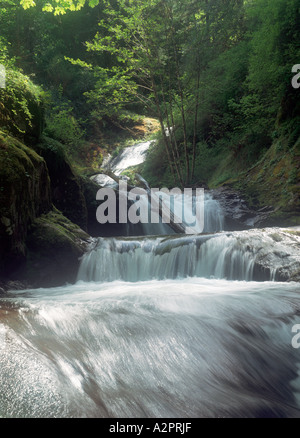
24, 195
66, 186
54, 248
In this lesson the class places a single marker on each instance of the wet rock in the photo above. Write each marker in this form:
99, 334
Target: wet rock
55, 246
238, 215
66, 187
16, 285
281, 256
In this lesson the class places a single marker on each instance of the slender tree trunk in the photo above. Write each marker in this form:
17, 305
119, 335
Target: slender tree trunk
195, 125
161, 121
173, 141
173, 121
168, 144
181, 94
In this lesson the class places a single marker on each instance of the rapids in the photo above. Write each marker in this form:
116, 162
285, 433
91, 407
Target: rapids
161, 349
160, 326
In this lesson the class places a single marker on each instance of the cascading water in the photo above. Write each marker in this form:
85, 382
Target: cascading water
162, 349
219, 257
213, 216
162, 327
130, 156
247, 255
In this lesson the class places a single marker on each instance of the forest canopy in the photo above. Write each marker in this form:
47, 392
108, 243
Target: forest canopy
216, 74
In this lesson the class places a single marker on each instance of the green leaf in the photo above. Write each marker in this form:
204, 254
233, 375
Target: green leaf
27, 3
93, 3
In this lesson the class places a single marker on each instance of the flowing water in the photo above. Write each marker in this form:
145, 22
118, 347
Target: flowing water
161, 258
130, 156
171, 348
161, 327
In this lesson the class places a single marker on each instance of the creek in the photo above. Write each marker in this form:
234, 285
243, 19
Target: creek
159, 325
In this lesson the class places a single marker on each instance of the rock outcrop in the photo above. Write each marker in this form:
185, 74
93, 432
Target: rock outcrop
54, 246
24, 195
238, 215
39, 246
66, 186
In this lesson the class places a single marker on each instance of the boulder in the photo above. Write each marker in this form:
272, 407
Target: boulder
66, 186
54, 247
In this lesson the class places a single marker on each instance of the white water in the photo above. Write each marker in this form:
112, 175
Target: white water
160, 327
134, 155
140, 260
240, 255
173, 348
213, 217
130, 156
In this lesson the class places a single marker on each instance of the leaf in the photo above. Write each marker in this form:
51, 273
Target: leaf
27, 3
93, 3
48, 8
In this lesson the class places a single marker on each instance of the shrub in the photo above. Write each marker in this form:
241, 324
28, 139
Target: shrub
62, 125
21, 106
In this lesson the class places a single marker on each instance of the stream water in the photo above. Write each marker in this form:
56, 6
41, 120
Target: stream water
160, 327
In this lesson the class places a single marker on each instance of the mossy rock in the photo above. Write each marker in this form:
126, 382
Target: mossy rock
24, 195
21, 107
274, 181
54, 248
66, 186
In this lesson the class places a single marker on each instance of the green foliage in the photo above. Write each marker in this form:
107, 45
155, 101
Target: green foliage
155, 169
53, 152
217, 73
20, 103
60, 7
62, 125
4, 53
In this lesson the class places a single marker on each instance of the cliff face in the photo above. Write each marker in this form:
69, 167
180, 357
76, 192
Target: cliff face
39, 245
24, 195
66, 186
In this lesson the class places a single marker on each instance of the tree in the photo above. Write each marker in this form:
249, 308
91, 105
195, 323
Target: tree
59, 7
150, 44
137, 37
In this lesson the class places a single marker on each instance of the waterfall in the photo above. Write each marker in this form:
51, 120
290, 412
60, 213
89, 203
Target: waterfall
219, 256
240, 255
163, 325
134, 155
130, 156
214, 219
